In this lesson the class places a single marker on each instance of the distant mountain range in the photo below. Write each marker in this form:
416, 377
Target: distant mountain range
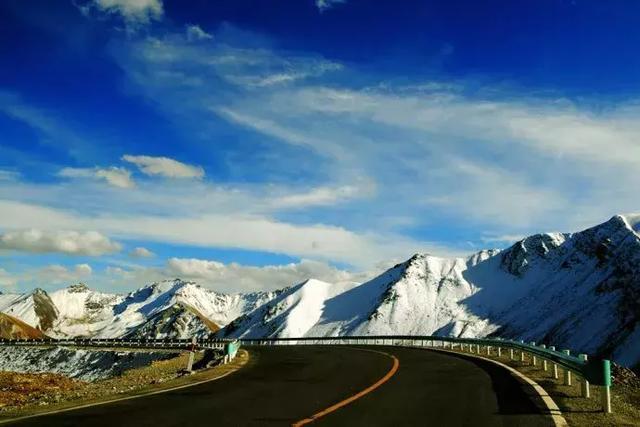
579, 291
168, 309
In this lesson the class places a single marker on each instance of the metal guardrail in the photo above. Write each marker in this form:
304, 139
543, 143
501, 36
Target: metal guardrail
592, 371
167, 344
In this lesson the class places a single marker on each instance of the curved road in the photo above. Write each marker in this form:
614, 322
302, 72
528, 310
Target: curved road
284, 385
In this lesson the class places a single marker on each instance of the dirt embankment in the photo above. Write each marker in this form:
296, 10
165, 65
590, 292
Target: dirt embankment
29, 393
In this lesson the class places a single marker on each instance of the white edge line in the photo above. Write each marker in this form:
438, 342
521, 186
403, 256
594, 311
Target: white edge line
120, 399
551, 406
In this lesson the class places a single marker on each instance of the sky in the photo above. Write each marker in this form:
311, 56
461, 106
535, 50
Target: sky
252, 144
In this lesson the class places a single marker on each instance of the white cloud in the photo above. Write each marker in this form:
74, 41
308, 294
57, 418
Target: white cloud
141, 252
164, 166
323, 5
504, 238
57, 274
89, 243
235, 277
52, 274
195, 33
258, 233
133, 12
115, 176
324, 196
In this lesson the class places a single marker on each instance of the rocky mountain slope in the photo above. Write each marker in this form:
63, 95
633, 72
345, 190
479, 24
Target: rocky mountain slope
12, 328
579, 291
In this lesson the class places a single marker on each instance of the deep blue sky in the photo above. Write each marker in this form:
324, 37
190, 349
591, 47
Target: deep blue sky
345, 134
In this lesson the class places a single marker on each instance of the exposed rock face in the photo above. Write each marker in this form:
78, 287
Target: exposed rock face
12, 328
517, 259
178, 321
45, 309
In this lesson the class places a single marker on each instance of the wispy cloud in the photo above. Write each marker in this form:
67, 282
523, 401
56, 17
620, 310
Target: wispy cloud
52, 129
257, 233
134, 13
496, 160
164, 166
194, 32
323, 5
115, 176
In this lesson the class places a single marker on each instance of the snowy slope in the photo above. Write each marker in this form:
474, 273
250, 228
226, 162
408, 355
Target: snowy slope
87, 365
81, 311
579, 291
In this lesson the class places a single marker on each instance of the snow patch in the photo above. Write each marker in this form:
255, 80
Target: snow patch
87, 365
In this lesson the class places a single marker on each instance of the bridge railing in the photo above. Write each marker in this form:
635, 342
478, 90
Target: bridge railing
592, 371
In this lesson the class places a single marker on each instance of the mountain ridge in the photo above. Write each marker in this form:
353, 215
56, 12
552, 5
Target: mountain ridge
575, 290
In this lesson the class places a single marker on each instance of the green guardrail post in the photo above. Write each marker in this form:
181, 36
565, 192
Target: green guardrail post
606, 387
585, 383
567, 372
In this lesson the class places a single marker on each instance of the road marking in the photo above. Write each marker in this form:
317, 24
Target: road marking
345, 402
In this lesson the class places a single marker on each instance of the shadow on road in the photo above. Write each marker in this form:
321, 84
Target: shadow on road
512, 399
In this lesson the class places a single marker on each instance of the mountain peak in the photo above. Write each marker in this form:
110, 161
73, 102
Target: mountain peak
631, 220
78, 288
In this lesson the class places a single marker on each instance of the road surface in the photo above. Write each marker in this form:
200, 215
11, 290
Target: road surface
284, 385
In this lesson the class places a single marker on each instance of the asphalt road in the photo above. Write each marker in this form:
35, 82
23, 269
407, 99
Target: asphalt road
283, 385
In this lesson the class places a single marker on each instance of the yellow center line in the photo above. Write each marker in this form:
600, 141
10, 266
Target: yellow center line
372, 387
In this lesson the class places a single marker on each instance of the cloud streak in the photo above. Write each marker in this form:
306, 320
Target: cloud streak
90, 243
135, 13
164, 166
115, 176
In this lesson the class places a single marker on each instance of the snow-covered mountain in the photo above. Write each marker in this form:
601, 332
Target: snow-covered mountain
579, 291
575, 290
171, 308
